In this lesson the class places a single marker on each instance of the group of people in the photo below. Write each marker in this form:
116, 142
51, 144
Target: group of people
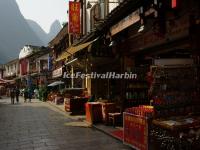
27, 94
14, 93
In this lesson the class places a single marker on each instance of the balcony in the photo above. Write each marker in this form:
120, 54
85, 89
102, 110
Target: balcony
33, 70
10, 74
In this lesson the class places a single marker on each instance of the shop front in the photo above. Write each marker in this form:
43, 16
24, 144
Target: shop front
168, 79
172, 76
55, 86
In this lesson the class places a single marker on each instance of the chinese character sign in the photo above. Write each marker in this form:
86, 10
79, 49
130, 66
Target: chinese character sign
136, 131
74, 17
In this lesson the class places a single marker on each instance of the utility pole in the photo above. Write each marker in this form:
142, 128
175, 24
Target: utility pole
106, 8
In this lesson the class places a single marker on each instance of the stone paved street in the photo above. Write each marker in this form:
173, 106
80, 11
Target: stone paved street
40, 126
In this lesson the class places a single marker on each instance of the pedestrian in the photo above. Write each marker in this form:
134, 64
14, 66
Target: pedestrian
25, 94
29, 94
12, 95
17, 92
36, 93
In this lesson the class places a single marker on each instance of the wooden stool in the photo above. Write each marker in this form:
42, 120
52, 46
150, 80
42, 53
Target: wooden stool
113, 117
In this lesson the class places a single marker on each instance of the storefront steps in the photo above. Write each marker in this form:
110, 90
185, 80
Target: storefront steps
77, 118
80, 120
115, 132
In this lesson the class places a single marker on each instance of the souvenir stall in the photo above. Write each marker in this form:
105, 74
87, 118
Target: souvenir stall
173, 120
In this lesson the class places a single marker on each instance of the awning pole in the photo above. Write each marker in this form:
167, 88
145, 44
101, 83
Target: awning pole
72, 78
69, 39
86, 71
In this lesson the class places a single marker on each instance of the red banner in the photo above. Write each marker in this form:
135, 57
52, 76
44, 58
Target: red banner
24, 66
74, 17
135, 131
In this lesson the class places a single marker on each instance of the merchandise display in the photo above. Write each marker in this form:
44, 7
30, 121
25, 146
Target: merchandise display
137, 89
176, 133
174, 91
172, 122
175, 94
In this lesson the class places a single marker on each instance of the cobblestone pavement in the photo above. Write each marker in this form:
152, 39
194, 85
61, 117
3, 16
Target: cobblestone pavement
40, 126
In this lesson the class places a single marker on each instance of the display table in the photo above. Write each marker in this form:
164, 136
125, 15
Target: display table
93, 112
178, 123
106, 109
75, 105
180, 132
58, 100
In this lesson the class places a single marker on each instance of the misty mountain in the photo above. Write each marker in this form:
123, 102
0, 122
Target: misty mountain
38, 30
55, 28
45, 37
14, 31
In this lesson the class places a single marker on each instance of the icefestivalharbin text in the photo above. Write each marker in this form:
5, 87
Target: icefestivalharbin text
95, 75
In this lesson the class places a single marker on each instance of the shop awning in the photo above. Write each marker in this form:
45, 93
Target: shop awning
2, 81
56, 83
63, 56
73, 49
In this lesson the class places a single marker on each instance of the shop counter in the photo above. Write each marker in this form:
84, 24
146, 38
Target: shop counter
93, 112
75, 105
178, 123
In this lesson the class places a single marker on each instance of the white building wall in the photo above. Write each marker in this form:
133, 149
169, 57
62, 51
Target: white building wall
11, 69
92, 2
112, 4
44, 57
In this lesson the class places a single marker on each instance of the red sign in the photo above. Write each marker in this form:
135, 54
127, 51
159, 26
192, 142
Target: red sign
74, 17
135, 131
174, 3
24, 66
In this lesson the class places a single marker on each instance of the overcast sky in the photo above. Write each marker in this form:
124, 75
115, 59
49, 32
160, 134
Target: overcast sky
44, 12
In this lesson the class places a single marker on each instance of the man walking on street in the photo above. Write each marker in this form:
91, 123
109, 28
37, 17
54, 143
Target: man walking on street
17, 92
25, 94
12, 95
29, 94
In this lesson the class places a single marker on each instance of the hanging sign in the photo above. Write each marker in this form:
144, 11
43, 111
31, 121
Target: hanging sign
74, 17
57, 73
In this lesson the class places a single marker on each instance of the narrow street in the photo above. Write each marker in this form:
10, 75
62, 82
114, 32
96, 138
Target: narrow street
40, 126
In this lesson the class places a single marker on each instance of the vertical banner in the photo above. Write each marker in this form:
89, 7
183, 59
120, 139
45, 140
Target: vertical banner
50, 64
74, 17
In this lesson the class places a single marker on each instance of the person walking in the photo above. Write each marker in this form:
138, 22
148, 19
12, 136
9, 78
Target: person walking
12, 95
36, 93
25, 94
17, 92
29, 94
